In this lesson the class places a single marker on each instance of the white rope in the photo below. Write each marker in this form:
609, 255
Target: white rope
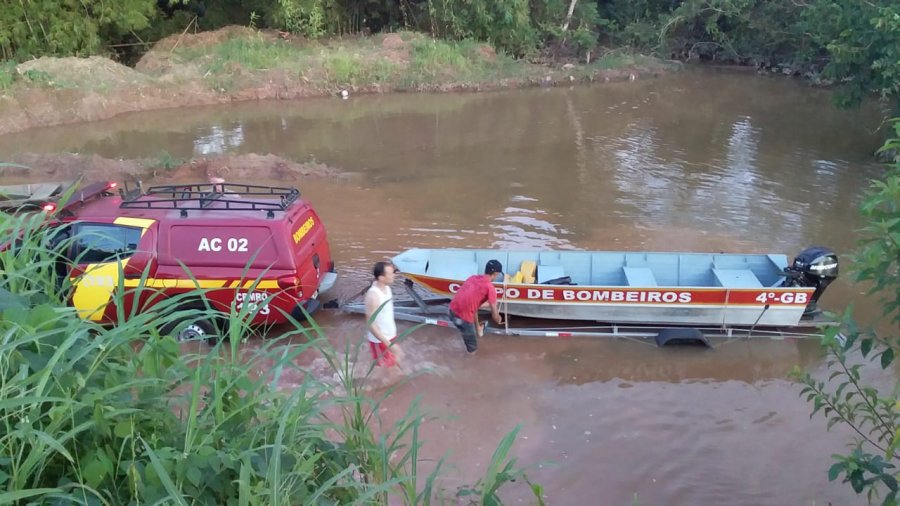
506, 310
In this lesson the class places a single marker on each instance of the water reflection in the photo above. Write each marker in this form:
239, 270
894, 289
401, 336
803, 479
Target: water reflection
219, 141
646, 181
521, 228
743, 145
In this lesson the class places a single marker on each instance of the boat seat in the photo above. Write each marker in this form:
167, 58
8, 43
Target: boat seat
527, 269
737, 278
639, 276
515, 279
549, 272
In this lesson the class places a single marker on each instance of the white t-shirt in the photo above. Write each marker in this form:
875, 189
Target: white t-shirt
384, 320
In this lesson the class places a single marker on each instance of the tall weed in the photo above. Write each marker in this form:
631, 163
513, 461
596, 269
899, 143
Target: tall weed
253, 53
120, 414
8, 74
342, 66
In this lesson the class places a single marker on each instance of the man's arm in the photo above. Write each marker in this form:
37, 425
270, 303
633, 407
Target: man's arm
495, 314
495, 308
372, 306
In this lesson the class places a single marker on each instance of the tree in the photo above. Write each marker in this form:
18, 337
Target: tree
862, 42
847, 398
51, 27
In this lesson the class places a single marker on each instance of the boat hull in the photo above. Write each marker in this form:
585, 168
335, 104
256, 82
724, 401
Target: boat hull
659, 305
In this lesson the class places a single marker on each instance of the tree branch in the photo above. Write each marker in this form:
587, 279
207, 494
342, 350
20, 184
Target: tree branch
888, 432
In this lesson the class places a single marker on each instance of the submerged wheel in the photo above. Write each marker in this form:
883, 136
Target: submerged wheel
196, 327
681, 336
200, 329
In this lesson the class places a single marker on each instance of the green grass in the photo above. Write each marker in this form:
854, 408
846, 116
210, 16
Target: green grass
422, 61
38, 77
165, 160
620, 59
8, 74
115, 415
251, 53
322, 66
10, 77
344, 68
612, 61
434, 62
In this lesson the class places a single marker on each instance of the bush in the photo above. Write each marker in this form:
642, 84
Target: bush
504, 23
46, 27
7, 74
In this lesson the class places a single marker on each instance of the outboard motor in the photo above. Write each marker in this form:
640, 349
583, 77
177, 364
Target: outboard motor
815, 267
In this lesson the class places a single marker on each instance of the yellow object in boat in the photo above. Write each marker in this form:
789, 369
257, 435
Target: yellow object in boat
528, 270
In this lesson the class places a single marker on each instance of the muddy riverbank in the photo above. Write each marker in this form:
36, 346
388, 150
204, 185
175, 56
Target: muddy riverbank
237, 64
32, 167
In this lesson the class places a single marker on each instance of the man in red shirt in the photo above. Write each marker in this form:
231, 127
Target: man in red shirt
471, 295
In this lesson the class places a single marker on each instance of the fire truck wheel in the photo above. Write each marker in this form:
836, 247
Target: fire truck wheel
194, 329
200, 329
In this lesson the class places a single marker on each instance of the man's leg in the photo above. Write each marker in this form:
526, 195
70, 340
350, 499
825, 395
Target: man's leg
467, 330
468, 335
382, 355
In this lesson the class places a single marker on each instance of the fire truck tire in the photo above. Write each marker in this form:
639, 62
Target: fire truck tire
196, 328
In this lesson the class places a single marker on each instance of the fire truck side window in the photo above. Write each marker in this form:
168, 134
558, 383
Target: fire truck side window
58, 235
96, 243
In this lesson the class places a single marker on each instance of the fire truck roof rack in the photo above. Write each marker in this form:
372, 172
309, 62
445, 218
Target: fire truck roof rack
203, 196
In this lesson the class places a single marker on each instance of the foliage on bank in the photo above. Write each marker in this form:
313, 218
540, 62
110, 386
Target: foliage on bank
854, 45
854, 396
120, 415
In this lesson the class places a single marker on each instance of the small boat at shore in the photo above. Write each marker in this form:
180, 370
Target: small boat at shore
26, 196
650, 288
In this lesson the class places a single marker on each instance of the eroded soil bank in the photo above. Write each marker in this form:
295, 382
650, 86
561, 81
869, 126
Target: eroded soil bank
239, 168
239, 64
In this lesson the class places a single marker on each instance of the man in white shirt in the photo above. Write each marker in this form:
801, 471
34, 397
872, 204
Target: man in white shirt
382, 329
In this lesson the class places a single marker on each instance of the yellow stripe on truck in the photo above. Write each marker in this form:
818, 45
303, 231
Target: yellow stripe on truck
200, 283
178, 283
94, 288
141, 223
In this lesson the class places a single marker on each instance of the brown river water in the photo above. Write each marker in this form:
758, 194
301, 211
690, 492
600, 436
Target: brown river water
698, 161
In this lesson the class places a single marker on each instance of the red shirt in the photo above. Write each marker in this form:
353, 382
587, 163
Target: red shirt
471, 295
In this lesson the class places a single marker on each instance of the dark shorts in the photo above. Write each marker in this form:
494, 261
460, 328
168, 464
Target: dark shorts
467, 329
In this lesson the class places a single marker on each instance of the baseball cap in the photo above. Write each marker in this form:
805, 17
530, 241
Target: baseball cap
493, 266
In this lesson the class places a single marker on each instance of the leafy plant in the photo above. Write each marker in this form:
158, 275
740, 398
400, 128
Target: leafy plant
848, 397
166, 161
8, 74
52, 28
304, 17
506, 24
341, 66
862, 43
501, 470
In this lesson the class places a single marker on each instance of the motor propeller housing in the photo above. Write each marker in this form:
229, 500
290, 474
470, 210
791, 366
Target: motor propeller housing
814, 267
